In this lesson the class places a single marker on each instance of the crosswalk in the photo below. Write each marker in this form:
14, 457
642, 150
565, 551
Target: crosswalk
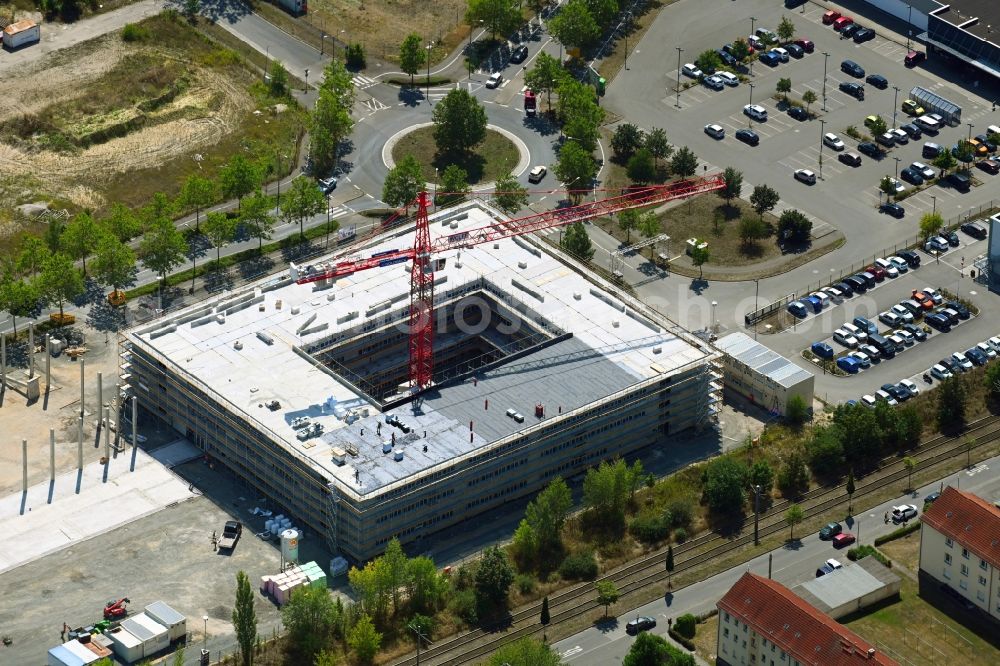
361, 81
338, 211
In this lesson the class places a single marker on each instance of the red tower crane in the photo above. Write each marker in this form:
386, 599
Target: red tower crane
421, 254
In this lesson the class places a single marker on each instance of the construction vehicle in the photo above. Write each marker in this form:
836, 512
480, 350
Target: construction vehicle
230, 535
114, 610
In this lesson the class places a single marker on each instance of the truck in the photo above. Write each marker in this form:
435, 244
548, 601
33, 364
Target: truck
530, 103
230, 535
20, 33
295, 7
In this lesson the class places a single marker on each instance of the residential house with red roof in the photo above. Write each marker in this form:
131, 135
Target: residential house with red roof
763, 623
960, 546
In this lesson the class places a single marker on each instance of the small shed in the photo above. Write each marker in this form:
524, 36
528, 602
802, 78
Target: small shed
154, 636
127, 645
175, 623
73, 653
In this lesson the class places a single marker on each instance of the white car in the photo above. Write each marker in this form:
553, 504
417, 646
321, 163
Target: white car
715, 131
923, 170
886, 398
755, 111
868, 401
843, 337
832, 140
806, 176
905, 336
495, 80
890, 319
536, 174
866, 361
862, 336
901, 312
940, 372
834, 564
934, 294
995, 343
781, 53
835, 294
909, 386
714, 82
896, 185
690, 69
962, 361
889, 268
900, 136
729, 78
985, 347
900, 264
903, 512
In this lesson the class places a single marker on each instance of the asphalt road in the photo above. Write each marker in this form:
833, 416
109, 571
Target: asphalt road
791, 565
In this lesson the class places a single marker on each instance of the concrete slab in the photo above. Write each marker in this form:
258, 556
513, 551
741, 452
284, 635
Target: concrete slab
76, 507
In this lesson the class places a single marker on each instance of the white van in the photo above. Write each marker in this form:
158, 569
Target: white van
992, 129
928, 124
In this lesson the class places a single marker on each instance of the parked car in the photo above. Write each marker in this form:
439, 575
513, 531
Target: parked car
845, 289
890, 319
925, 171
830, 530
903, 512
862, 336
770, 59
863, 35
822, 350
911, 176
850, 158
925, 301
852, 68
871, 351
806, 44
495, 80
748, 136
885, 397
795, 50
806, 176
878, 81
519, 55
887, 139
862, 358
911, 257
904, 335
959, 181
892, 208
641, 623
797, 309
911, 108
691, 70
938, 371
729, 78
870, 149
902, 138
798, 113
755, 111
830, 16
985, 140
989, 166
931, 498
835, 294
987, 349
844, 338
963, 312
713, 82
977, 356
849, 364
918, 333
865, 325
912, 130
934, 294
781, 53
959, 360
715, 131
855, 90
902, 312
938, 321
913, 58
936, 244
930, 150
833, 141
726, 58
848, 30
995, 343
829, 566
911, 387
887, 267
897, 394
869, 401
901, 264
843, 539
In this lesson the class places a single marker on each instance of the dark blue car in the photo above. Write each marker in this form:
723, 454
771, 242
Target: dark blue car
770, 59
822, 350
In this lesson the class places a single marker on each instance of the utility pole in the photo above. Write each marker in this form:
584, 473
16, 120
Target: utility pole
822, 133
749, 119
420, 637
826, 56
679, 52
756, 514
895, 96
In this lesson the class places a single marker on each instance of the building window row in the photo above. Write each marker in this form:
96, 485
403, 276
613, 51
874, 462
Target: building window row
501, 493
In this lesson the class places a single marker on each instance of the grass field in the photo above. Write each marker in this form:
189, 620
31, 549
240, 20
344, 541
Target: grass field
706, 639
491, 158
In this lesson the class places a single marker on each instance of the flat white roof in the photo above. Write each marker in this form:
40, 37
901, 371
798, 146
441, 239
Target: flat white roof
277, 323
762, 360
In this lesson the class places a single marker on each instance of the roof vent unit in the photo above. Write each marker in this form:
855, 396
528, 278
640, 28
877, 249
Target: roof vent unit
511, 412
657, 349
352, 449
522, 264
398, 456
338, 455
331, 296
453, 225
539, 410
518, 417
265, 338
615, 323
237, 345
296, 309
577, 296
221, 318
386, 447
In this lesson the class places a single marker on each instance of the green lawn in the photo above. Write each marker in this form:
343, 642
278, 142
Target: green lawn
495, 155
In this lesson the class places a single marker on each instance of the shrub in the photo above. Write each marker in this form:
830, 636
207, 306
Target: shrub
463, 604
581, 565
649, 528
863, 551
896, 534
134, 33
679, 513
525, 583
688, 645
686, 625
680, 535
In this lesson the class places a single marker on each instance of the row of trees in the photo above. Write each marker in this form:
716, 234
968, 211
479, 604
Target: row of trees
858, 437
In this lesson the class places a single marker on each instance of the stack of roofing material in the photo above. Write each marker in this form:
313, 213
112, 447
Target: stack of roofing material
277, 525
175, 623
281, 586
77, 653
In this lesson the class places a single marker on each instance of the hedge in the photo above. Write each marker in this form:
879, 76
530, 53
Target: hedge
863, 551
688, 645
896, 534
686, 625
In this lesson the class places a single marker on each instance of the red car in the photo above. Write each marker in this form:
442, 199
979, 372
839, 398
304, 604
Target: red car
842, 22
843, 539
806, 44
914, 57
830, 16
877, 271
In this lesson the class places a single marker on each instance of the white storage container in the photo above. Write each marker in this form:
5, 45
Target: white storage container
127, 645
21, 33
175, 623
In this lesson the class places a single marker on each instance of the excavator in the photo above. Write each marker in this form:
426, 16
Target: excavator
115, 610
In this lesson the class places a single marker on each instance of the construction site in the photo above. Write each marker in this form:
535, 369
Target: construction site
437, 372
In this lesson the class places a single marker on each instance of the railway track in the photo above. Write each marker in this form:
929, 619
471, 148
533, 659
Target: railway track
573, 601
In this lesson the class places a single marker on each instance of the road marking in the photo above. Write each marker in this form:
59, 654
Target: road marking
981, 467
572, 651
361, 81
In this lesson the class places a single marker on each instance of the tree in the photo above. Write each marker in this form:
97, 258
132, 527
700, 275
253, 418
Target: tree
160, 207
32, 256
544, 618
784, 87
763, 199
909, 427
309, 616
455, 183
546, 514
403, 183
411, 55
245, 618
733, 184
257, 217
684, 163
640, 167
364, 640
579, 112
887, 186
459, 123
751, 231
60, 281
425, 586
239, 178
649, 227
498, 16
603, 11
121, 222
909, 463
326, 658
394, 574
278, 83
574, 25
657, 145
577, 242
944, 161
825, 452
796, 411
178, 658
725, 482
708, 61
198, 192
628, 220
793, 517
851, 488
649, 649
493, 580
509, 195
794, 227
81, 237
576, 166
786, 29
762, 475
968, 444
951, 403
930, 224
877, 126
686, 625
53, 235
626, 139
740, 50
992, 380
964, 153
859, 432
699, 257
605, 491
793, 478
607, 594
546, 76
669, 564
114, 263
220, 229
809, 97
525, 652
303, 199
19, 298
422, 624
330, 121
163, 247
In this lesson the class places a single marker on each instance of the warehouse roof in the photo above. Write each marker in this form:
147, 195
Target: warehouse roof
978, 17
762, 360
970, 520
250, 347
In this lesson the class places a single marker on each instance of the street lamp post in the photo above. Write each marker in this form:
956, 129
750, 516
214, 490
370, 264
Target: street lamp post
267, 62
429, 47
897, 167
204, 643
826, 56
895, 97
749, 119
715, 323
322, 42
970, 131
627, 22
909, 25
822, 133
756, 515
679, 52
934, 203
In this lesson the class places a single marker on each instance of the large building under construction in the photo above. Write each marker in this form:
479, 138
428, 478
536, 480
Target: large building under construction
539, 370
